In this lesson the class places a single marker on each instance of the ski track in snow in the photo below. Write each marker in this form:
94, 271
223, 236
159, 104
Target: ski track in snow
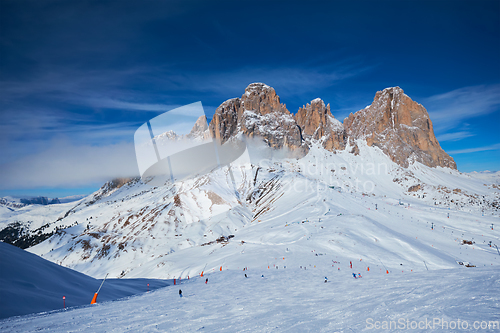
286, 300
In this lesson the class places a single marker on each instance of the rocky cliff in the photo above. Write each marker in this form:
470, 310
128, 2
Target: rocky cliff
258, 113
396, 124
400, 127
317, 123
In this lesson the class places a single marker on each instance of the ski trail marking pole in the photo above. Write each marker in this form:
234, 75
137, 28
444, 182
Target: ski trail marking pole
64, 302
94, 299
386, 270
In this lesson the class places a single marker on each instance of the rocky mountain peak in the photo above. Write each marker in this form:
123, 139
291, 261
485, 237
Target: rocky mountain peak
400, 127
390, 91
200, 129
258, 88
393, 122
317, 122
262, 99
313, 117
258, 113
394, 103
199, 126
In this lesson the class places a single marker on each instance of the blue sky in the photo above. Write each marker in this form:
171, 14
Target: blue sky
78, 77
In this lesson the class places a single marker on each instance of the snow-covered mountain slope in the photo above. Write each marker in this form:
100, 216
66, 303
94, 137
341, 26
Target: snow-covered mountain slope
295, 300
72, 198
346, 207
489, 176
16, 202
30, 284
422, 238
32, 224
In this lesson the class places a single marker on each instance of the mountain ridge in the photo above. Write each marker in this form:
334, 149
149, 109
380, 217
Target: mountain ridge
393, 122
141, 231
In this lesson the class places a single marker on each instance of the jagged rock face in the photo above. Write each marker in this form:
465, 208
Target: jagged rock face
400, 127
317, 123
258, 113
393, 122
199, 126
262, 99
225, 121
200, 130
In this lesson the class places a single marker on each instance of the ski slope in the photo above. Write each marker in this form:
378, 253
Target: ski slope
293, 300
30, 284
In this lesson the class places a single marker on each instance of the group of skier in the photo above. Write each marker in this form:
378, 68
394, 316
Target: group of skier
354, 275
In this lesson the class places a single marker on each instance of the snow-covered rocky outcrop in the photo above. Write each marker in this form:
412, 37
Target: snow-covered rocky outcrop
401, 128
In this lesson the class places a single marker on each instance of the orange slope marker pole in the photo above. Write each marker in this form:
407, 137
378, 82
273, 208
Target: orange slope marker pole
94, 299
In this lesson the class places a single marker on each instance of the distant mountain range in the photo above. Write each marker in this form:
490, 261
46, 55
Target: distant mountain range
18, 202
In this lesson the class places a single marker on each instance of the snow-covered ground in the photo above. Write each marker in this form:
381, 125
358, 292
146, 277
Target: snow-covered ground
30, 284
35, 215
294, 300
407, 231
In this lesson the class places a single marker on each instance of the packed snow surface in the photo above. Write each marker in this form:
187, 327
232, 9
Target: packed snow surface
293, 300
30, 284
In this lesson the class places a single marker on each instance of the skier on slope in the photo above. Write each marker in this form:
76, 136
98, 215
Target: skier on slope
180, 293
206, 281
354, 275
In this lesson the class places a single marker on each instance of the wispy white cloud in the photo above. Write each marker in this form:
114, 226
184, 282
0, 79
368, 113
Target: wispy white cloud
286, 79
33, 131
454, 136
69, 165
111, 88
451, 109
475, 150
109, 103
44, 123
